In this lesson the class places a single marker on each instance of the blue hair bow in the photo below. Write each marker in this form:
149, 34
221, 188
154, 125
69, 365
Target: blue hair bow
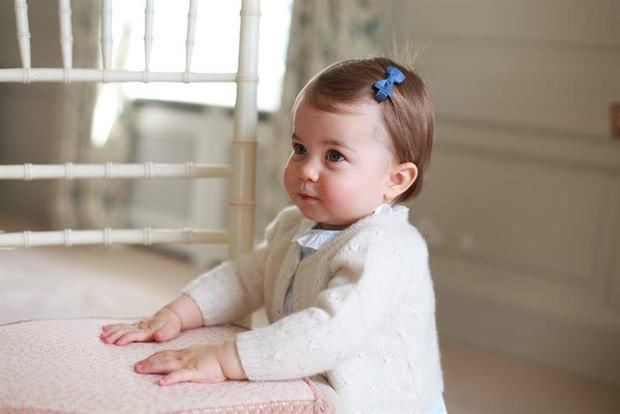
385, 87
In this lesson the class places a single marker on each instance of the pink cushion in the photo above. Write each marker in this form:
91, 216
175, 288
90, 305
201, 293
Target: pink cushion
62, 366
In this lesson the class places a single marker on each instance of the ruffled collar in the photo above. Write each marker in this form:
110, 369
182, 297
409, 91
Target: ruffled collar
310, 237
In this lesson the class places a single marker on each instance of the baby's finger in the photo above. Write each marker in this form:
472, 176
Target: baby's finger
135, 335
113, 336
105, 331
114, 326
111, 329
159, 363
181, 375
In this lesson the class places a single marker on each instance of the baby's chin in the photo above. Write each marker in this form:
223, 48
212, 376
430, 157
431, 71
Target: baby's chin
329, 223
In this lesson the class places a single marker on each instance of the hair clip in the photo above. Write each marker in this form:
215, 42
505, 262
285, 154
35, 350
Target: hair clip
385, 87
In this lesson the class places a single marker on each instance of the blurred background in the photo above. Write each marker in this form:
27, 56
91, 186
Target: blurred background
521, 210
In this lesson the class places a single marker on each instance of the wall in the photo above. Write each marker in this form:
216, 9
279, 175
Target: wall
522, 208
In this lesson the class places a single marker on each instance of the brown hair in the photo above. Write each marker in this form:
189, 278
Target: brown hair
407, 114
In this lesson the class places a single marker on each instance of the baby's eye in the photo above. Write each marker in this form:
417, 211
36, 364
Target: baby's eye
334, 156
299, 149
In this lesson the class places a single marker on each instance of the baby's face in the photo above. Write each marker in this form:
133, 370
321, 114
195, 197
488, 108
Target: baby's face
340, 165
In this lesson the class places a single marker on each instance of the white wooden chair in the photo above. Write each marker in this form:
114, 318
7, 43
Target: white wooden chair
241, 171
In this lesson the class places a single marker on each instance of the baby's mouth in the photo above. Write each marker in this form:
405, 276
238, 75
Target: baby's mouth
307, 197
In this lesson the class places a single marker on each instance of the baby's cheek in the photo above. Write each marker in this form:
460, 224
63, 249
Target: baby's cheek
288, 179
358, 197
341, 197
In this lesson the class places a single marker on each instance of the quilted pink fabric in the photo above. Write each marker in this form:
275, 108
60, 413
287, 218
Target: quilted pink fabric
61, 366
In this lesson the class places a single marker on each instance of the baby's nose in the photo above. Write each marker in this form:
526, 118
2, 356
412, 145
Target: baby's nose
310, 171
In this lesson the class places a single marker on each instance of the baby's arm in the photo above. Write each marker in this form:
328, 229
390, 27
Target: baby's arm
179, 315
369, 276
234, 289
223, 294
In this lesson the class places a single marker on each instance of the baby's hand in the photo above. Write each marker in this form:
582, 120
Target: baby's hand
198, 363
163, 326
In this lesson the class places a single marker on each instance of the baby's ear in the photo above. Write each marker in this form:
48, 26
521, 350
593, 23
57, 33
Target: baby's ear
402, 177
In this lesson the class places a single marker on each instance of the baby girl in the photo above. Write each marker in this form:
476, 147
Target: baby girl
343, 276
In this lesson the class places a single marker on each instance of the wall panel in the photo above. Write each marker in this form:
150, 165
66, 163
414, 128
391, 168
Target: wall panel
522, 205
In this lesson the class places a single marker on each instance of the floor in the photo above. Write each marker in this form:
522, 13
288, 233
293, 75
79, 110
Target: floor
96, 281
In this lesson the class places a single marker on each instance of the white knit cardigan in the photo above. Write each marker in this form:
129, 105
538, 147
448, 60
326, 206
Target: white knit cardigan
364, 311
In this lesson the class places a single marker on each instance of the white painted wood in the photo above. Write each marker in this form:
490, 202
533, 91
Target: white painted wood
243, 186
191, 30
106, 35
149, 13
201, 256
97, 75
242, 201
147, 236
23, 35
66, 33
72, 171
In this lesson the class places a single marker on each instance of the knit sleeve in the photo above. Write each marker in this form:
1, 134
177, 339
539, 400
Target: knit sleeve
233, 289
369, 276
